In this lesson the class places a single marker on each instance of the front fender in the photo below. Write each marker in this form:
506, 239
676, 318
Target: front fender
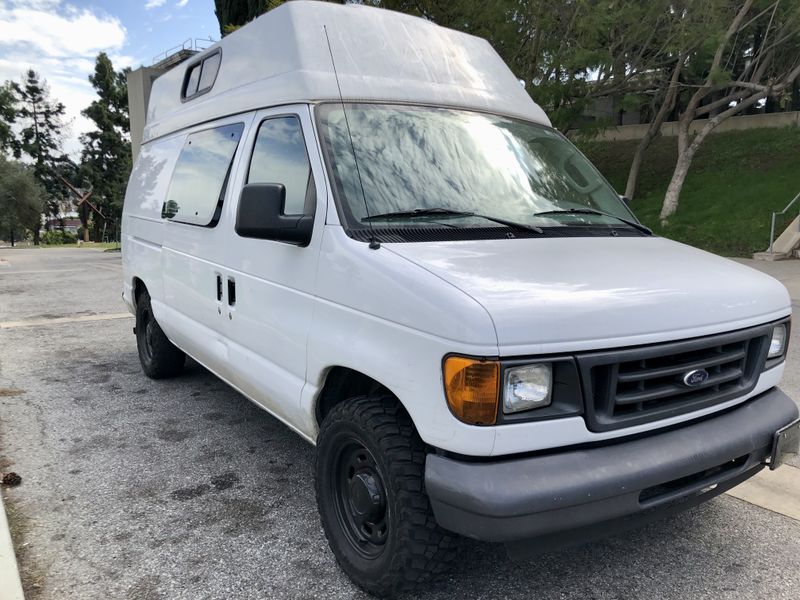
383, 316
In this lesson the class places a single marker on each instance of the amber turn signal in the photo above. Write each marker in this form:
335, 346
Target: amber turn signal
472, 389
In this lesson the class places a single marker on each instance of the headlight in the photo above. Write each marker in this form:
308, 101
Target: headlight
527, 387
777, 345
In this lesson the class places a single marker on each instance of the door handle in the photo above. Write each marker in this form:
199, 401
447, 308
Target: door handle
219, 287
231, 291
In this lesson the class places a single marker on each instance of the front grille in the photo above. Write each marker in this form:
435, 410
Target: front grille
638, 385
654, 382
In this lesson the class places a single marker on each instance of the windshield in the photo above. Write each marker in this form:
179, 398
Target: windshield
413, 159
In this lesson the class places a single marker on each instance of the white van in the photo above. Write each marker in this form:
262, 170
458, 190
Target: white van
361, 222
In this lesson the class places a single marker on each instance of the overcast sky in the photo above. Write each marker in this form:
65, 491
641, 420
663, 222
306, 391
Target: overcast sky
61, 38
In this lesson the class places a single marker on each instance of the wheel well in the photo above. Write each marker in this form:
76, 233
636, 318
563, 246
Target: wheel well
342, 384
138, 288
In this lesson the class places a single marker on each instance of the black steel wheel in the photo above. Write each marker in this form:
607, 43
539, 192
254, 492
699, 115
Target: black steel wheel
160, 358
369, 474
360, 499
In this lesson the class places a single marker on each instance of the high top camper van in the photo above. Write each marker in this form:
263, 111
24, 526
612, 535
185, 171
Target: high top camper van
362, 222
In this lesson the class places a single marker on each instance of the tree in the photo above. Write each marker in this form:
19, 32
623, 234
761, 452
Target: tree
567, 53
754, 55
106, 156
22, 199
232, 14
685, 29
572, 53
42, 128
8, 114
664, 103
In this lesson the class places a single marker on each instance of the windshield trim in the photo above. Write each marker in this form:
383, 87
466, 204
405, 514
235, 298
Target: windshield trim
355, 229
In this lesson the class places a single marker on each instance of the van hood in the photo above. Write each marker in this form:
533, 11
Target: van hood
570, 294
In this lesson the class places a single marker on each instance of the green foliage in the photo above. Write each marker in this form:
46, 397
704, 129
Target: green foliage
42, 121
58, 237
22, 199
8, 114
232, 14
719, 77
228, 29
631, 102
738, 178
42, 127
106, 157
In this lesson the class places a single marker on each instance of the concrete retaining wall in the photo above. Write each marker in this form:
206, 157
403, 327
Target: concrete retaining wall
636, 132
140, 83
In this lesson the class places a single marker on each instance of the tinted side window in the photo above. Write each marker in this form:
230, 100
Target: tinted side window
209, 74
280, 156
198, 182
200, 77
191, 81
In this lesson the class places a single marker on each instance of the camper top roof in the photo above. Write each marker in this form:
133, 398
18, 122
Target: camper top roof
282, 57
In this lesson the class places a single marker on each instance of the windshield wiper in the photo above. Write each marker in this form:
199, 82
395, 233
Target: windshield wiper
592, 211
434, 212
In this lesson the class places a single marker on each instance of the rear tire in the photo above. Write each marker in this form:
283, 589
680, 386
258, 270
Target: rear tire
160, 358
369, 475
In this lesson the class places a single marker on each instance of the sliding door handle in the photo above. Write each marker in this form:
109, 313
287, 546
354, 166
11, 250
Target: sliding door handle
231, 291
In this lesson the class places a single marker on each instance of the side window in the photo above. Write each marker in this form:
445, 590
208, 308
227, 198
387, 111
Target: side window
191, 81
209, 73
280, 156
198, 183
200, 76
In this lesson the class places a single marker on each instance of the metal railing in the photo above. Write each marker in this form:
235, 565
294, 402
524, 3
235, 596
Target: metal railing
201, 44
186, 45
189, 45
777, 214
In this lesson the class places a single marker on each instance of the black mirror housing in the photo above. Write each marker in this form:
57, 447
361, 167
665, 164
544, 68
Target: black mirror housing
260, 215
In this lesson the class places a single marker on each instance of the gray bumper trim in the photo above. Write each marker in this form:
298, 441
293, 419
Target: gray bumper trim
521, 498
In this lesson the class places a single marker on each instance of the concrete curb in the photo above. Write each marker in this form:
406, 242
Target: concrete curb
11, 588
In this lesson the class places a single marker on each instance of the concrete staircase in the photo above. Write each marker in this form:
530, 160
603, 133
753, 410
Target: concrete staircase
787, 245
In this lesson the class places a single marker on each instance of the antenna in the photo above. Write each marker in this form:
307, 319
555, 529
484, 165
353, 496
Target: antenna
374, 244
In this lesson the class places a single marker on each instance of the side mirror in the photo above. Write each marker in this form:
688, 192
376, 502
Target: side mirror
169, 209
260, 215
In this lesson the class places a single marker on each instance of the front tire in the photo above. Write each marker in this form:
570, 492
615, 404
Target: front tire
160, 358
369, 474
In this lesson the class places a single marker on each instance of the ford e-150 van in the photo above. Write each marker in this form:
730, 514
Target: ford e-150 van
363, 223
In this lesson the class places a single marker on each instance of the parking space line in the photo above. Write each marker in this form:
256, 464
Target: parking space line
114, 268
41, 271
59, 320
778, 491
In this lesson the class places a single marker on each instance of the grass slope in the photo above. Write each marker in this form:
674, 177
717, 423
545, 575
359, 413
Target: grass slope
737, 179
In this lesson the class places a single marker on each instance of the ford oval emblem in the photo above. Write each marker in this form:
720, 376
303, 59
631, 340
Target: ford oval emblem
695, 377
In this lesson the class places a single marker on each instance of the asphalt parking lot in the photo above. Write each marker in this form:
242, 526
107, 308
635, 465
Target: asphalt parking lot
144, 490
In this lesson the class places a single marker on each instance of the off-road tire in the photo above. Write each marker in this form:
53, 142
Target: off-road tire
160, 358
416, 549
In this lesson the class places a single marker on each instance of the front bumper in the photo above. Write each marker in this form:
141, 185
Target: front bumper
573, 490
